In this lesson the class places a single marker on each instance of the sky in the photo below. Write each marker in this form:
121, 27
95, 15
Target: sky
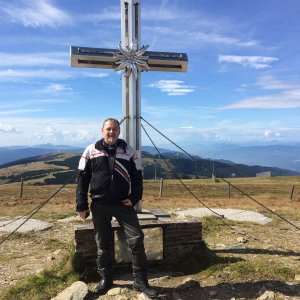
242, 84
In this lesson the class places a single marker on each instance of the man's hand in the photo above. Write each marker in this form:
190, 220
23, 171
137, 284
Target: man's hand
84, 214
127, 202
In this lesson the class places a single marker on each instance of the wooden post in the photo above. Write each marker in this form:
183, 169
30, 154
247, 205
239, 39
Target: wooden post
229, 190
213, 177
21, 188
161, 188
292, 192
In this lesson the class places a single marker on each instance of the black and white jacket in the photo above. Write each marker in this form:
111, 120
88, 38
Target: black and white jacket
113, 173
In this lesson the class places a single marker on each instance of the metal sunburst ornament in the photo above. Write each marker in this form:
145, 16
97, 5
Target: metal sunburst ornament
132, 60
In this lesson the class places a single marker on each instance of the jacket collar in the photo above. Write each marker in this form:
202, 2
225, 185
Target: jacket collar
101, 145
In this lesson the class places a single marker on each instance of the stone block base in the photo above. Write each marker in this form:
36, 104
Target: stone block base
166, 239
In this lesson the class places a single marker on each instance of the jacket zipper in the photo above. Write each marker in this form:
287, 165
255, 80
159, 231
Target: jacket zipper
112, 166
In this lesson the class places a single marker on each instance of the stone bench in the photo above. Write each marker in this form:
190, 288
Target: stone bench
166, 239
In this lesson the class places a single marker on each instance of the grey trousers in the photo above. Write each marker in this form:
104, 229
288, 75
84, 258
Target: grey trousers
127, 218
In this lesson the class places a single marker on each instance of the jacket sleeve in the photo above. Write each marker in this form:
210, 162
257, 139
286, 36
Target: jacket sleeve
83, 181
136, 176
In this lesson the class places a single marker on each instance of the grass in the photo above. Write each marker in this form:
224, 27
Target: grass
259, 270
45, 285
273, 192
208, 264
274, 187
204, 263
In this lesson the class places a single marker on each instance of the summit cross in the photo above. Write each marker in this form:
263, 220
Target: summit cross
132, 59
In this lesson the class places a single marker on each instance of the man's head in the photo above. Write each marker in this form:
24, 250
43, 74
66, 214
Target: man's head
111, 131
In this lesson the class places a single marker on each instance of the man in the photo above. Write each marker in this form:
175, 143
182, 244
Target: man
112, 171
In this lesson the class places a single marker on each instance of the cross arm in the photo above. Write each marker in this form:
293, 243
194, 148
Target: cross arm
86, 57
167, 61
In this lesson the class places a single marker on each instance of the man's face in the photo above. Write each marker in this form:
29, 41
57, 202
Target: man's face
110, 132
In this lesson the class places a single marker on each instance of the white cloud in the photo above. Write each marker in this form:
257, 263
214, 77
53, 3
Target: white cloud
286, 99
255, 62
74, 131
4, 128
166, 12
270, 134
203, 29
24, 75
36, 13
94, 75
48, 134
56, 88
110, 13
187, 127
270, 83
46, 101
20, 111
213, 38
70, 131
34, 59
149, 13
11, 75
173, 87
194, 38
79, 135
54, 135
49, 130
165, 112
233, 130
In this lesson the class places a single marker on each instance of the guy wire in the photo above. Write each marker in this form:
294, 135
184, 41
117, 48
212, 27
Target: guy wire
244, 193
214, 212
36, 209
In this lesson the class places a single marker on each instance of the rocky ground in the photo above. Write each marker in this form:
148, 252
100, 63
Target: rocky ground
29, 253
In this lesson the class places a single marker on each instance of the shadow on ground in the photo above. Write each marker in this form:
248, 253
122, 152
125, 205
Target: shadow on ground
257, 251
194, 264
245, 290
222, 291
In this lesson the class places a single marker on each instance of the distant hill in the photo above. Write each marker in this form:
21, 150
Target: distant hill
8, 154
52, 168
56, 168
274, 155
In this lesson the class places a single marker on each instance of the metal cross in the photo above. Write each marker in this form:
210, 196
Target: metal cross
132, 59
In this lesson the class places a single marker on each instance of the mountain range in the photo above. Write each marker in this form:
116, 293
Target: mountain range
274, 155
13, 153
57, 166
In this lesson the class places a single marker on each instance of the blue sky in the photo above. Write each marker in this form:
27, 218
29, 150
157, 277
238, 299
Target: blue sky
242, 83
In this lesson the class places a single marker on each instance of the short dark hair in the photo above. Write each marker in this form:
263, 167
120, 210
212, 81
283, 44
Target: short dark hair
112, 120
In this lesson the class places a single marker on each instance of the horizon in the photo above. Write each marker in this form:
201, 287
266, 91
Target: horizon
248, 154
242, 84
210, 143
